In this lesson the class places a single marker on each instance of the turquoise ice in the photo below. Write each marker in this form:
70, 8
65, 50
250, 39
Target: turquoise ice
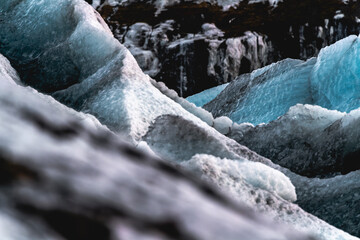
332, 81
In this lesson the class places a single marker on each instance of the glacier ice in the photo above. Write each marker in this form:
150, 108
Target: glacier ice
206, 96
59, 173
45, 56
7, 72
255, 174
223, 124
330, 81
264, 94
309, 140
87, 69
105, 79
337, 196
335, 79
169, 139
215, 171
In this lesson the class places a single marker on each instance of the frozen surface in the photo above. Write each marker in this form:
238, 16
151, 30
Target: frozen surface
223, 124
206, 96
77, 47
220, 172
7, 72
256, 174
337, 196
81, 64
335, 79
64, 172
169, 138
266, 93
325, 141
330, 81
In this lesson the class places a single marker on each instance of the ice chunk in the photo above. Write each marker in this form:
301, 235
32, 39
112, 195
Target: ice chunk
337, 200
53, 52
223, 124
306, 140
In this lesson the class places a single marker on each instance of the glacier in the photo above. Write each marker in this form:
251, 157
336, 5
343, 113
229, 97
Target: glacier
77, 174
169, 138
88, 70
311, 130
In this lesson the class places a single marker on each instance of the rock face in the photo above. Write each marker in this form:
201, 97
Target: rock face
255, 33
171, 57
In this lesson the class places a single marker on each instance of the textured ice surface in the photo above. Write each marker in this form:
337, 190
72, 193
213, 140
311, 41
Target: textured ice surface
7, 72
309, 140
335, 79
338, 200
46, 41
71, 45
255, 174
223, 124
220, 172
169, 138
206, 96
65, 173
266, 93
330, 81
107, 82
